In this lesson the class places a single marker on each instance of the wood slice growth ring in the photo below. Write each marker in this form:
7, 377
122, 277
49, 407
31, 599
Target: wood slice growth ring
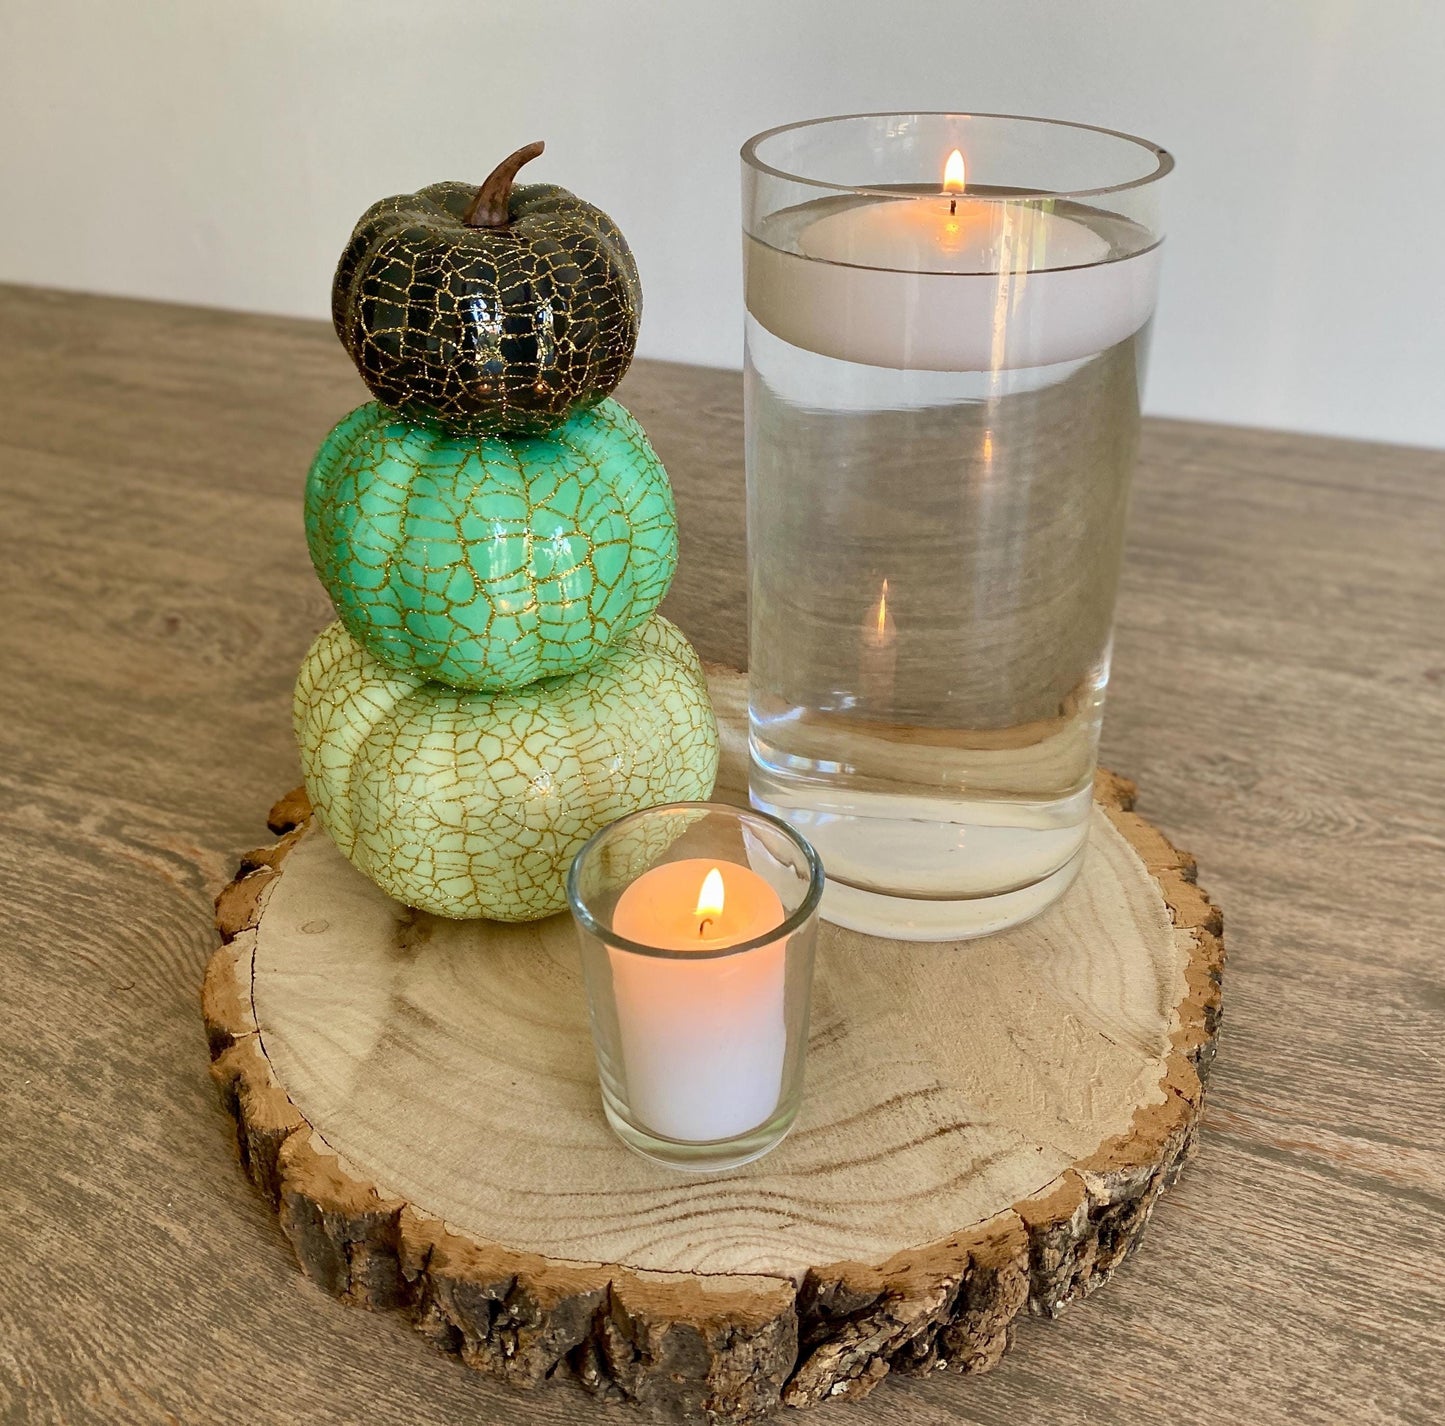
985, 1128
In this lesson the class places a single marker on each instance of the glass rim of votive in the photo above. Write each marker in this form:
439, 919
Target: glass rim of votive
1164, 160
798, 917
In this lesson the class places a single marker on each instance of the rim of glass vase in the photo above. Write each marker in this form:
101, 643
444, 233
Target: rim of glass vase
1163, 159
800, 915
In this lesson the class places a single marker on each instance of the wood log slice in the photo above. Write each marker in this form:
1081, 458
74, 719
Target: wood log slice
984, 1130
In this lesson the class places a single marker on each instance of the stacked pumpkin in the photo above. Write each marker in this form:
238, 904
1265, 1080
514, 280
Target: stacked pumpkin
496, 534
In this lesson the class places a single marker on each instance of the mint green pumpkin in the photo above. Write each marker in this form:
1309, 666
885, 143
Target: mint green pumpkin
488, 562
473, 804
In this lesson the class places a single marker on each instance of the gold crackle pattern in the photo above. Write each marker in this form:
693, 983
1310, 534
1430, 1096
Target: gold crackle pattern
490, 330
473, 804
490, 563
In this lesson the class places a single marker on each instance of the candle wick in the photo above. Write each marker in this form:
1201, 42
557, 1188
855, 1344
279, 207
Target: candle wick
703, 925
952, 207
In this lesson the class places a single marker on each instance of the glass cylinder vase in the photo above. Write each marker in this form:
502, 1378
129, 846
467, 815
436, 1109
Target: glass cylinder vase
697, 923
947, 318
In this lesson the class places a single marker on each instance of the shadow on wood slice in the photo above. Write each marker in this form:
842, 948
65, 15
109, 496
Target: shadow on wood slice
985, 1128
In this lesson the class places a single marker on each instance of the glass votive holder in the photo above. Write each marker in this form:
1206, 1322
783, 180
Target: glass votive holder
697, 923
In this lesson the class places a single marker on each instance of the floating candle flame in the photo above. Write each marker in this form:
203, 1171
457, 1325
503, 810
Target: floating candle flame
954, 173
953, 180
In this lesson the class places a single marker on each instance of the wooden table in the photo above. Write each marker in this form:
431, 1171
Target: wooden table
1279, 694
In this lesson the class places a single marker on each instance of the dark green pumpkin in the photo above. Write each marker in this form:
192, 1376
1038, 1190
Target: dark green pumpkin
494, 311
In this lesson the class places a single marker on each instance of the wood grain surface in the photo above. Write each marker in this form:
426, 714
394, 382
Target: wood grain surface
987, 1129
382, 1063
1279, 693
450, 1063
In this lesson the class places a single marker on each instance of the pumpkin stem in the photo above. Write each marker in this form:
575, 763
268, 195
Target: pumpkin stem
489, 209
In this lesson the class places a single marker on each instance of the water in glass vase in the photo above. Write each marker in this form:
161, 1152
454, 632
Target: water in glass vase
934, 556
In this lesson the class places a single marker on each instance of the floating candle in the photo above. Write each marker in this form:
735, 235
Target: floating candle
964, 280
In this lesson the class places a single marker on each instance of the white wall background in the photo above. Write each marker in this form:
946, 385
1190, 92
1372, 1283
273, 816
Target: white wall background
218, 151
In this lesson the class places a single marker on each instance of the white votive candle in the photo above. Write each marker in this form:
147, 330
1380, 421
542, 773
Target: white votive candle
703, 1036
